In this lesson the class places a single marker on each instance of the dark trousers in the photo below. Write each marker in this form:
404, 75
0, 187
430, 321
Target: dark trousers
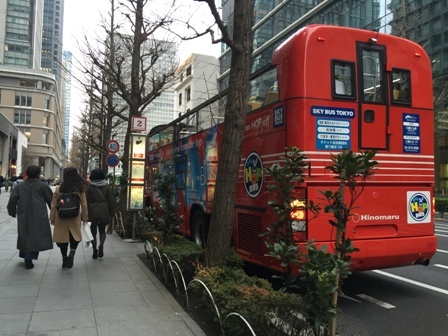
64, 246
102, 229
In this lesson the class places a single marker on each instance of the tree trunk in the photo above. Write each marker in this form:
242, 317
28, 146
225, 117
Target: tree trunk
220, 232
134, 101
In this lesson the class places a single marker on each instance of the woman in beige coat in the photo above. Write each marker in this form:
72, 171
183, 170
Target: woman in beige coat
68, 230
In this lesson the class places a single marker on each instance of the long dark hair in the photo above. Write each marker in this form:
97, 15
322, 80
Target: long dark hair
72, 181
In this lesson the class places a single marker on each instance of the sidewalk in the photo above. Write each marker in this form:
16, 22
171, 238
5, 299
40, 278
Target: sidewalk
115, 295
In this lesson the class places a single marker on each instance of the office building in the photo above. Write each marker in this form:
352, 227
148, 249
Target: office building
52, 32
21, 33
29, 96
160, 110
66, 89
420, 20
197, 82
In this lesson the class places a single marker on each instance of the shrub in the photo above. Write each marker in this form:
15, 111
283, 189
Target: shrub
268, 312
185, 252
441, 206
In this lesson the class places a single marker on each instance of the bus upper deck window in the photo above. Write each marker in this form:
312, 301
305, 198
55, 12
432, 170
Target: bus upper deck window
263, 89
343, 80
400, 86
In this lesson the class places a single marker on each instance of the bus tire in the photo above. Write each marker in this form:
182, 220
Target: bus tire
199, 228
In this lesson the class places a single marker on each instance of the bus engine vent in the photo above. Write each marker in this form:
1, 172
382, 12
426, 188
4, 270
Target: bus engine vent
249, 229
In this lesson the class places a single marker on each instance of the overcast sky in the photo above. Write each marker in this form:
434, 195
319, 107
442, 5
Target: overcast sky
83, 17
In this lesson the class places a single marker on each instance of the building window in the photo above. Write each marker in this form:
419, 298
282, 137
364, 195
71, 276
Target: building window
47, 103
45, 137
46, 119
180, 99
23, 99
26, 131
22, 117
28, 83
188, 93
188, 71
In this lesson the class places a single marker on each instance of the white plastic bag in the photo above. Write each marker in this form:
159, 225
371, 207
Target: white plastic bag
86, 235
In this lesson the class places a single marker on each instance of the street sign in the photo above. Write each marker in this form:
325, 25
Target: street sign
138, 124
112, 146
112, 160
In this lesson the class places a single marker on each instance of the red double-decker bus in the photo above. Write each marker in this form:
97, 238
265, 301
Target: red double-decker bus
327, 89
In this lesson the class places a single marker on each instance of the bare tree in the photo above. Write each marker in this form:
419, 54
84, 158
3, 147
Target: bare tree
220, 232
80, 152
126, 72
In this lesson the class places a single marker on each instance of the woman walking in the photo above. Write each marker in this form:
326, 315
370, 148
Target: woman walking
67, 231
100, 201
29, 201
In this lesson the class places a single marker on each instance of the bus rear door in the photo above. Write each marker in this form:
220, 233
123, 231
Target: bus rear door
372, 79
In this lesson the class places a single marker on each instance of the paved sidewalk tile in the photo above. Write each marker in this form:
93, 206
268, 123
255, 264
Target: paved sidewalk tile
115, 295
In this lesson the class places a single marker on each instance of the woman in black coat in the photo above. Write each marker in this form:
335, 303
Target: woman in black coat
100, 203
29, 201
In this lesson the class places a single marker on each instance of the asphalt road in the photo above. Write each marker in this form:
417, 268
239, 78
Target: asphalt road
411, 301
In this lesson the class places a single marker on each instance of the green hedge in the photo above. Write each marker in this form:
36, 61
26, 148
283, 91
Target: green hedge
441, 206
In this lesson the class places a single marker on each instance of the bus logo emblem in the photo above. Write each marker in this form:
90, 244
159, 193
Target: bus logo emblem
253, 174
418, 207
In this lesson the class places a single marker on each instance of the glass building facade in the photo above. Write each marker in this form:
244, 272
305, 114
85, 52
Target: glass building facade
20, 33
418, 20
52, 38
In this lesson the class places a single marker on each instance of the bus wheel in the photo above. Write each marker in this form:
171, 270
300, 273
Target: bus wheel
199, 228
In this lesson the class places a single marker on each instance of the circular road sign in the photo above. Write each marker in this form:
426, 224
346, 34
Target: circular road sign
112, 146
112, 160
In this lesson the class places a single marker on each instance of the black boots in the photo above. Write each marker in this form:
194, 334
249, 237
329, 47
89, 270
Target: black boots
70, 259
95, 254
100, 251
28, 264
64, 262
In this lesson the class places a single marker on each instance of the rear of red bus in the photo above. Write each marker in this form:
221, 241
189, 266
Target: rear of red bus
343, 88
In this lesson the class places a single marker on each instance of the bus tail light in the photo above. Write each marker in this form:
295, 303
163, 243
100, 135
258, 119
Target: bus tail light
298, 216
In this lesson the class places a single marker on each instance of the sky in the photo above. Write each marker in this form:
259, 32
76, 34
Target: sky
84, 18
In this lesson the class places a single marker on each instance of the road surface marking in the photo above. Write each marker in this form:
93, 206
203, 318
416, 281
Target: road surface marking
416, 283
349, 297
441, 230
441, 266
440, 235
443, 251
376, 301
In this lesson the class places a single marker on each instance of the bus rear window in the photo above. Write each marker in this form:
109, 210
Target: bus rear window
343, 79
401, 90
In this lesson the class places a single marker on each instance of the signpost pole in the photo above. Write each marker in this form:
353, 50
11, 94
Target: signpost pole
134, 223
136, 180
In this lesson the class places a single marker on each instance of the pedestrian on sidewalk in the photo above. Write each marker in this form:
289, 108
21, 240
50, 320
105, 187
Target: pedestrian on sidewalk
29, 201
100, 201
6, 182
17, 181
68, 230
2, 183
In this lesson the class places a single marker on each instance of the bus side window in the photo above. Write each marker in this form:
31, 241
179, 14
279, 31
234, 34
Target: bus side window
254, 103
263, 89
343, 80
400, 88
271, 95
